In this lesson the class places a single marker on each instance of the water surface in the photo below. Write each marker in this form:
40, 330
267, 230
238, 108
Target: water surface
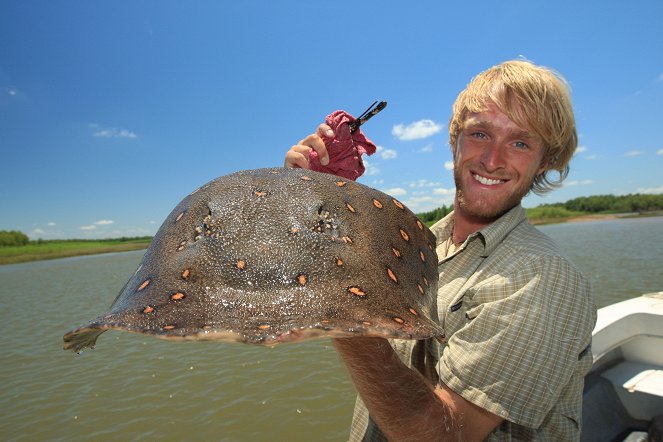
137, 387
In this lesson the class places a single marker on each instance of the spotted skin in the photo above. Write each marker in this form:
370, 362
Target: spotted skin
280, 255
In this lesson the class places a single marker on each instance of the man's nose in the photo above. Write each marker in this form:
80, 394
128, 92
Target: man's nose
494, 156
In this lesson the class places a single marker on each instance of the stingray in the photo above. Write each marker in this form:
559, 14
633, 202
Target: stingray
280, 255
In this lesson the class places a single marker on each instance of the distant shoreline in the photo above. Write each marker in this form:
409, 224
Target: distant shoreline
593, 217
47, 253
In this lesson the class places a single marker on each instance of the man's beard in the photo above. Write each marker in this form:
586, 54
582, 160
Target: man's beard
488, 212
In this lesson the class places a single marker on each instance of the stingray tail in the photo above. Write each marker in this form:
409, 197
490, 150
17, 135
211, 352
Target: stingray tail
80, 338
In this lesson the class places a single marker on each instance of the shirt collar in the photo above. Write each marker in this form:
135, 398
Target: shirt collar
491, 235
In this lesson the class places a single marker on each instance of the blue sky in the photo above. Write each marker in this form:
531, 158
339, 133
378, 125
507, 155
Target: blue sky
111, 112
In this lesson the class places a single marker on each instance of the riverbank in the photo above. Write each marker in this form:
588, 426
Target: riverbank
593, 217
66, 249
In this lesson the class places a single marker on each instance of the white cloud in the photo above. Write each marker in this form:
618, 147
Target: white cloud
104, 222
51, 224
37, 232
90, 227
650, 190
633, 153
370, 169
659, 152
388, 154
449, 165
580, 149
396, 191
443, 191
112, 132
423, 183
426, 149
592, 157
417, 130
578, 183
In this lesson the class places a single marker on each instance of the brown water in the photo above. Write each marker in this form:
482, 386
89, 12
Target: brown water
135, 387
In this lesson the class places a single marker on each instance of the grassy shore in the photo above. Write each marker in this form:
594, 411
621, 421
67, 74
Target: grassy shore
36, 251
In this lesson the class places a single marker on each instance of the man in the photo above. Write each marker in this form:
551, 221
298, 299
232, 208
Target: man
517, 315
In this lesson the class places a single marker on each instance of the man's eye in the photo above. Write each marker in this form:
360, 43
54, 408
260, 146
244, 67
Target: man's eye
521, 145
480, 135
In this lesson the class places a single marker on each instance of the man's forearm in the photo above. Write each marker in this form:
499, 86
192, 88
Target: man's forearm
400, 400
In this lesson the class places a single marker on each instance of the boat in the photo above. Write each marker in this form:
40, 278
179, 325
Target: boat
623, 394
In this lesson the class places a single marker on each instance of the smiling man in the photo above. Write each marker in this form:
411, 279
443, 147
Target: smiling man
517, 314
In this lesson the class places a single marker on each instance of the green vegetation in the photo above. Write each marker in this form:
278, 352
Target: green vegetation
40, 249
13, 238
430, 218
639, 204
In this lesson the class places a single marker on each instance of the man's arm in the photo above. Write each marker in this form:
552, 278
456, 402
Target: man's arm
403, 403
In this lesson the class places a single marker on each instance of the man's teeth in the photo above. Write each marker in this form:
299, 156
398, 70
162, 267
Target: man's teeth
486, 181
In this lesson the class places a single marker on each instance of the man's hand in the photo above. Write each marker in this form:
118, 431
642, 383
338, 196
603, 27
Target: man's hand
298, 155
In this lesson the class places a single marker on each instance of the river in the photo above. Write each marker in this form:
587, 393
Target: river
134, 387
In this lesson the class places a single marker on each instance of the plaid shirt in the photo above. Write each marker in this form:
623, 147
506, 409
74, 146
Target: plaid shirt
518, 318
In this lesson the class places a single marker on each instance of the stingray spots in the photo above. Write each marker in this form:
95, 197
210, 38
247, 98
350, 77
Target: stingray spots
425, 281
392, 276
302, 279
306, 178
326, 223
398, 320
240, 264
398, 204
350, 208
341, 183
178, 296
420, 225
421, 289
259, 193
422, 256
179, 217
294, 230
143, 285
396, 252
413, 311
377, 203
185, 274
339, 261
147, 310
169, 327
347, 240
404, 234
181, 246
357, 291
264, 327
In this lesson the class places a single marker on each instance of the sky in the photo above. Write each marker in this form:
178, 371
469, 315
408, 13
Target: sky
112, 112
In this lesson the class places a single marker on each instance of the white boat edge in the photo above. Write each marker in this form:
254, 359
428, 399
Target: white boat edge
623, 397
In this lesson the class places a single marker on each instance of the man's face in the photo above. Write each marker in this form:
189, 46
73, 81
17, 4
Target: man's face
495, 163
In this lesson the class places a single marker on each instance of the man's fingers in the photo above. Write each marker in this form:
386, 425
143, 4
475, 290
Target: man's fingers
315, 142
297, 157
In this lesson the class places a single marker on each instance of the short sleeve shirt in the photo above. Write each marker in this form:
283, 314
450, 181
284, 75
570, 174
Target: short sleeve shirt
518, 318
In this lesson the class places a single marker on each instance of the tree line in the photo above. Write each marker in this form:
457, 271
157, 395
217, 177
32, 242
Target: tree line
597, 204
13, 238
